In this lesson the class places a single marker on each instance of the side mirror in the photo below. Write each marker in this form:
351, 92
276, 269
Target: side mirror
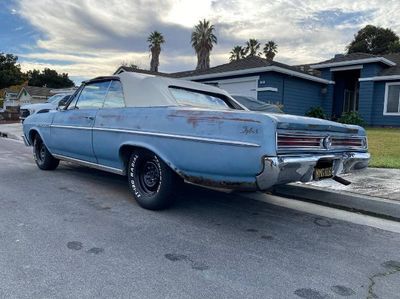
62, 104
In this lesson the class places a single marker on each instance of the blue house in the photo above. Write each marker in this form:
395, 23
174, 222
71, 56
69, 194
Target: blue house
356, 82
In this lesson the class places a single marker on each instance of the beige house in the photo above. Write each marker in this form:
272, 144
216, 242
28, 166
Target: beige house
33, 95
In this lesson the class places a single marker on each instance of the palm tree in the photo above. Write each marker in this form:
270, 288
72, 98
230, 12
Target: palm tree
155, 39
203, 40
270, 50
252, 47
238, 52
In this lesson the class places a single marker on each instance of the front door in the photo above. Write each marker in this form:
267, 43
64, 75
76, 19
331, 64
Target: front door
72, 129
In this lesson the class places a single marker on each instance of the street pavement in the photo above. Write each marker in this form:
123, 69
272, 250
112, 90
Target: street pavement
77, 233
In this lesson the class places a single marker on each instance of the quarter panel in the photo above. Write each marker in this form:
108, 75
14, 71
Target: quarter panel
207, 152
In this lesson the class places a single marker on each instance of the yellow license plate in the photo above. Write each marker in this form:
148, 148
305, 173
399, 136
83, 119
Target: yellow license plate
323, 173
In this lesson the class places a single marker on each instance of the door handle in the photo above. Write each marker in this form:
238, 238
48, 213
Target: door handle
90, 117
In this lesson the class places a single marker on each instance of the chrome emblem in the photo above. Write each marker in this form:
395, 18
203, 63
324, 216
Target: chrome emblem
327, 143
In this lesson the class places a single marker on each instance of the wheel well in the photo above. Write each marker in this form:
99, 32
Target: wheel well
32, 135
126, 150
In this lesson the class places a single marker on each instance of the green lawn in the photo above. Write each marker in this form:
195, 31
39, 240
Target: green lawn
384, 146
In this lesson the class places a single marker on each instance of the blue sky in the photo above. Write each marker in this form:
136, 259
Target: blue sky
89, 38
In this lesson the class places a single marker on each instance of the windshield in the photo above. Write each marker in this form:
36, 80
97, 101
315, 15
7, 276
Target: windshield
54, 99
199, 99
256, 105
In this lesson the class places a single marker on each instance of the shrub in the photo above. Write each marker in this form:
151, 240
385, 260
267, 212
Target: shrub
316, 112
351, 118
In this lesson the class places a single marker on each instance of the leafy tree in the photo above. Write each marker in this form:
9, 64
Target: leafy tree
237, 52
49, 78
10, 71
374, 40
253, 47
203, 40
270, 50
155, 40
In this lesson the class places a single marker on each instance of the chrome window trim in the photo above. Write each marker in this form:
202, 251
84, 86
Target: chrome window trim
165, 135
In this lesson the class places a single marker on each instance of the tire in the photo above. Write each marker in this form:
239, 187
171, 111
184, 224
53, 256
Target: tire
151, 181
44, 160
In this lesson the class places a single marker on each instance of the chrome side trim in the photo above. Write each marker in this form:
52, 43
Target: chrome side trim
90, 164
185, 137
165, 135
71, 127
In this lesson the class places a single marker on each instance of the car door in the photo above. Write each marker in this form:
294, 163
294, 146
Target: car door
72, 128
111, 116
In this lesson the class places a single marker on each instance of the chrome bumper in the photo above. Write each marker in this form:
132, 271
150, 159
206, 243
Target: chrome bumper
286, 169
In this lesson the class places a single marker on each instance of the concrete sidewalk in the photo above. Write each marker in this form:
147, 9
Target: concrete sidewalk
376, 182
13, 130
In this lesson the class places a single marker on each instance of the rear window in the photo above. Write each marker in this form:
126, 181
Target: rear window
194, 98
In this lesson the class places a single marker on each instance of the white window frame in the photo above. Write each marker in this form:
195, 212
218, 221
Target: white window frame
386, 100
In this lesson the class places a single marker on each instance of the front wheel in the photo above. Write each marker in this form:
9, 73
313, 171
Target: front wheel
151, 181
44, 160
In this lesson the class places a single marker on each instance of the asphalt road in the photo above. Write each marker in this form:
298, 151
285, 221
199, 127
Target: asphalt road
77, 233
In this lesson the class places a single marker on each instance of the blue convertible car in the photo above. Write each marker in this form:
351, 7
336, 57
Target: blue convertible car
160, 132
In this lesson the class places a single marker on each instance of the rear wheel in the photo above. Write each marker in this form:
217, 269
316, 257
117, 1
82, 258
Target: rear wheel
44, 160
151, 181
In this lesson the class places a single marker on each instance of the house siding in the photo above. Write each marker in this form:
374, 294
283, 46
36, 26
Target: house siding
295, 94
377, 117
271, 79
298, 95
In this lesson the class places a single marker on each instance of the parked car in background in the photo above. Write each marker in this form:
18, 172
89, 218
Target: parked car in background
51, 104
256, 105
161, 131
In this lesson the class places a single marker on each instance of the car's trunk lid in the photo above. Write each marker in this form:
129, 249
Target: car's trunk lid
301, 123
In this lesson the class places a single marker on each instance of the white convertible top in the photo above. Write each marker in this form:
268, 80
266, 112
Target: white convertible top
141, 90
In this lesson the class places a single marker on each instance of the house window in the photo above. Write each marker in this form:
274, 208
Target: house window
392, 99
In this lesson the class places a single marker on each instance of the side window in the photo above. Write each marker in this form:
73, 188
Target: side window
115, 96
92, 95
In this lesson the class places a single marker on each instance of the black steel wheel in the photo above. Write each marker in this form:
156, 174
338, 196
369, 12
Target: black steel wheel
44, 160
151, 181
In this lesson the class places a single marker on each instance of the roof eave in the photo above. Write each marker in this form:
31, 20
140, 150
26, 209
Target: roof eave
380, 78
272, 68
355, 61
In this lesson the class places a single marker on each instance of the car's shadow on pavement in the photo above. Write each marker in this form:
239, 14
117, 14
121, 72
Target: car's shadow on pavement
204, 206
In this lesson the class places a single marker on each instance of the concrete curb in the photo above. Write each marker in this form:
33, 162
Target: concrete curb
374, 206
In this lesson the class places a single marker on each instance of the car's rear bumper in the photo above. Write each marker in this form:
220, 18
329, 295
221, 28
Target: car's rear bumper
286, 169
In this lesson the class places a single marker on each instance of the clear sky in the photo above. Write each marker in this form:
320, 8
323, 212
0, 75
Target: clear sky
87, 38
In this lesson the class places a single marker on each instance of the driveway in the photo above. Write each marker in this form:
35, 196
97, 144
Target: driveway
77, 233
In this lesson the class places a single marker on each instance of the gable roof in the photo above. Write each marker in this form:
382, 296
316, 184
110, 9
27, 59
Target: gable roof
244, 66
35, 91
351, 59
393, 70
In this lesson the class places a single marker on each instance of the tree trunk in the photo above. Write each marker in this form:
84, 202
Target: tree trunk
155, 59
203, 60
